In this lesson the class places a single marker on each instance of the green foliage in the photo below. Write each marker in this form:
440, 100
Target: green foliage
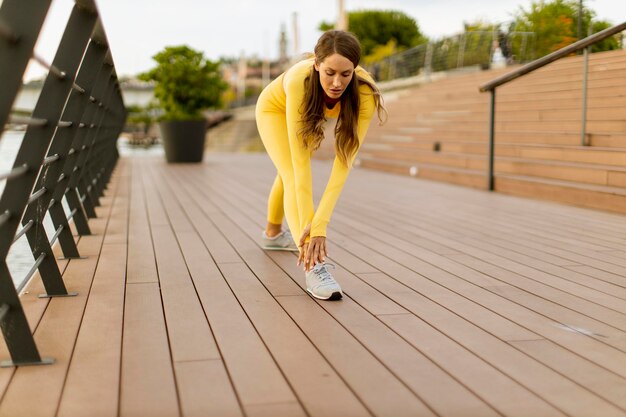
379, 52
141, 118
379, 27
324, 26
555, 24
185, 82
609, 44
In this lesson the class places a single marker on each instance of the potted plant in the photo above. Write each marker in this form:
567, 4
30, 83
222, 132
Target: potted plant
185, 83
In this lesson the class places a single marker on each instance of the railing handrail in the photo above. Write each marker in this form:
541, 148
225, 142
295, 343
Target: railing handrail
538, 63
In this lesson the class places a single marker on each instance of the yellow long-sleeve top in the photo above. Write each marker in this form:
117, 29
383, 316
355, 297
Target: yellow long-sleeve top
287, 94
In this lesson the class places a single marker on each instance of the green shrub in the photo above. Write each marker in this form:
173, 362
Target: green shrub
185, 83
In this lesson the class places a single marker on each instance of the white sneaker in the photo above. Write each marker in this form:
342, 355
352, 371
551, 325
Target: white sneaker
282, 241
321, 284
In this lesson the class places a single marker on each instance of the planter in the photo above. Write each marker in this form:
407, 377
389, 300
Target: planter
183, 141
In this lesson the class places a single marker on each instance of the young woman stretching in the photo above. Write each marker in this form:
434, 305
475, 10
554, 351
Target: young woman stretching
291, 114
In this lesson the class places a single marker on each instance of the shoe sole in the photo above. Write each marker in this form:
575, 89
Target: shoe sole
279, 248
333, 297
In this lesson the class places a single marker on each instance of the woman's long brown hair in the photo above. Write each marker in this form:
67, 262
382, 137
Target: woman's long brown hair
312, 130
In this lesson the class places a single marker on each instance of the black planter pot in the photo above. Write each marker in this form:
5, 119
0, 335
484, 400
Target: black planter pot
183, 141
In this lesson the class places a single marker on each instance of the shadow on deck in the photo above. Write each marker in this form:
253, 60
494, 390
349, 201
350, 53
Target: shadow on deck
458, 303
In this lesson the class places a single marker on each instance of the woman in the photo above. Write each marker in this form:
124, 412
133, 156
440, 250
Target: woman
291, 114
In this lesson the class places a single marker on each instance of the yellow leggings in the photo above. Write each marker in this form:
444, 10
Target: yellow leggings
272, 127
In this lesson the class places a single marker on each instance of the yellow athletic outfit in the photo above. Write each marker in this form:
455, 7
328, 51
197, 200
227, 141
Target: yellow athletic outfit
278, 120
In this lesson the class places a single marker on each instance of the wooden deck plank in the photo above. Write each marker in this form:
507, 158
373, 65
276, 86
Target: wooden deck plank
205, 389
187, 327
407, 363
599, 274
611, 334
598, 310
141, 263
536, 376
589, 228
604, 383
147, 385
93, 377
439, 390
230, 231
378, 402
182, 225
94, 373
247, 250
583, 344
378, 388
591, 401
613, 410
516, 245
564, 245
55, 337
514, 287
258, 381
308, 373
470, 246
505, 394
317, 385
426, 218
457, 302
209, 283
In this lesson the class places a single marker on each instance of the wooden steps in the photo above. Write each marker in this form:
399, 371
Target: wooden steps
443, 126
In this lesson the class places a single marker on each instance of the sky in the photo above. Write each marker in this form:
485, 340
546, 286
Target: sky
137, 29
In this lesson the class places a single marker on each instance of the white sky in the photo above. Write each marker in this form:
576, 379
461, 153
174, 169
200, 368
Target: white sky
137, 29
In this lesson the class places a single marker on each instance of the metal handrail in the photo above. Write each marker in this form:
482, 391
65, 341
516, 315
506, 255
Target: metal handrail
532, 66
538, 63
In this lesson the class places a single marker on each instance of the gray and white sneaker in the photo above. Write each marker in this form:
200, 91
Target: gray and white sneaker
321, 284
282, 241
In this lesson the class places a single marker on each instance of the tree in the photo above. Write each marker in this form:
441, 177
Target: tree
375, 28
555, 25
185, 82
609, 44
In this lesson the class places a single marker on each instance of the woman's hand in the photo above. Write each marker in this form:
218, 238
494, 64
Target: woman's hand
303, 245
311, 252
315, 252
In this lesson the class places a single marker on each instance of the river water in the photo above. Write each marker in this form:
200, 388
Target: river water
20, 259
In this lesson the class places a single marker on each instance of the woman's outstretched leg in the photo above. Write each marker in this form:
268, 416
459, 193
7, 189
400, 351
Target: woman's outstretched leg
273, 131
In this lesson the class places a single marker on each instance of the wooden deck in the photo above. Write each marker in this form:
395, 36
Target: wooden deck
458, 303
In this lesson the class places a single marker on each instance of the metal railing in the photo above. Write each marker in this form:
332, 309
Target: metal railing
532, 66
68, 150
467, 49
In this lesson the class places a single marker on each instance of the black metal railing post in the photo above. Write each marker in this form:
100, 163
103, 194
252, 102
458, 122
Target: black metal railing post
77, 107
492, 140
23, 22
80, 179
50, 106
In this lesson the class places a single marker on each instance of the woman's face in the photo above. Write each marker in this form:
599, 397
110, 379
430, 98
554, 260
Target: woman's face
336, 72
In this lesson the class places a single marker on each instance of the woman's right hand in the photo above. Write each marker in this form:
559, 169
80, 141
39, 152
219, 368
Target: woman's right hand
303, 245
